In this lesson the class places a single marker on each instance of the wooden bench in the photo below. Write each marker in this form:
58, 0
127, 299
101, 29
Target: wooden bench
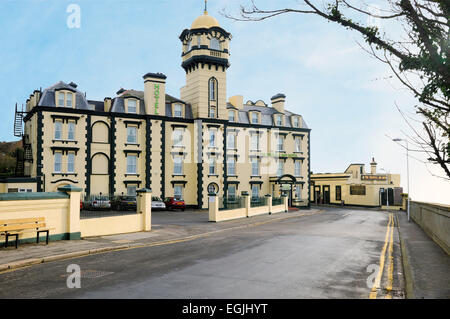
16, 227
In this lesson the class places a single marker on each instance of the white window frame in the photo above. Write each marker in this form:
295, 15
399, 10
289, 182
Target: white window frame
255, 118
297, 168
212, 112
63, 96
69, 100
71, 163
279, 120
135, 106
255, 194
255, 166
232, 116
58, 128
212, 89
298, 192
130, 135
71, 129
231, 141
178, 165
180, 193
177, 110
212, 138
254, 142
57, 167
131, 163
231, 194
212, 166
231, 166
298, 144
131, 190
295, 121
280, 168
215, 44
177, 138
280, 143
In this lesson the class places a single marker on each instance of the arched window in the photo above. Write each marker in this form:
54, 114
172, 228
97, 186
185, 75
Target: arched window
215, 44
213, 89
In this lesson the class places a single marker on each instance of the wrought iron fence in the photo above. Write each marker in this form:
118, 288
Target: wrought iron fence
258, 201
234, 202
94, 206
277, 201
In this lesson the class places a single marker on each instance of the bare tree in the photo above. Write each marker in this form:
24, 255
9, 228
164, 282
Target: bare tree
419, 58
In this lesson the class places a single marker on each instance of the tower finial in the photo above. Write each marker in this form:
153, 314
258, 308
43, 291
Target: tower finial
206, 7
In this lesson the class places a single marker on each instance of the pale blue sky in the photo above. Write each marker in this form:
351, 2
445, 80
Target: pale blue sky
341, 92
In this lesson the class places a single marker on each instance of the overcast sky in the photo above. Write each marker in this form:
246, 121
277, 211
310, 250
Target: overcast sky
344, 95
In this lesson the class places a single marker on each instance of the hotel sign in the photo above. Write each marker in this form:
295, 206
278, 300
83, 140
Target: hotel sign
373, 177
156, 98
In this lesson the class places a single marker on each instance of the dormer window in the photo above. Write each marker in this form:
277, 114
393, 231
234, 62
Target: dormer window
255, 118
65, 99
215, 44
279, 120
177, 110
69, 100
132, 106
61, 99
231, 116
295, 121
189, 45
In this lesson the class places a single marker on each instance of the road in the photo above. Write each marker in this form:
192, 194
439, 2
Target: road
332, 254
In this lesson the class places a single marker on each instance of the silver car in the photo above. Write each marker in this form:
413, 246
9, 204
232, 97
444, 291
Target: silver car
158, 204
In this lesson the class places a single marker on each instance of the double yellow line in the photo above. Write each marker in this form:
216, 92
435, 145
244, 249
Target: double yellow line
389, 247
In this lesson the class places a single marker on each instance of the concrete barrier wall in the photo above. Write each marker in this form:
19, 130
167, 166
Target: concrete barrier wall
55, 211
62, 213
434, 219
111, 225
278, 209
255, 211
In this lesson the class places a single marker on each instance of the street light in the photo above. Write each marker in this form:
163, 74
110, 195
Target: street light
387, 189
407, 165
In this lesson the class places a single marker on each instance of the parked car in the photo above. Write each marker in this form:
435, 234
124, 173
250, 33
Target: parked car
158, 204
124, 203
172, 203
98, 202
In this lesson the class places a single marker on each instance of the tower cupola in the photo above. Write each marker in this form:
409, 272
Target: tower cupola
205, 54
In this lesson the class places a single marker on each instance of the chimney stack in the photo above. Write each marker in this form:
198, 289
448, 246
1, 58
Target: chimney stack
373, 167
155, 93
278, 102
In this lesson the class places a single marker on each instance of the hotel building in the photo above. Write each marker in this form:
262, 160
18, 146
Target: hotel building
185, 147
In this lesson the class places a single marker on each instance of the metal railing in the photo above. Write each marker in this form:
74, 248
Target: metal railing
235, 202
258, 201
277, 201
95, 206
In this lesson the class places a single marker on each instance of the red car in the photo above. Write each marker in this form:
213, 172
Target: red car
172, 203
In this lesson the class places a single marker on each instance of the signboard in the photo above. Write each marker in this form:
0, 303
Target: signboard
156, 98
373, 177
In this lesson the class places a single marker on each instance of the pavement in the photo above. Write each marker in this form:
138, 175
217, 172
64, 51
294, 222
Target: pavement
329, 253
167, 227
426, 265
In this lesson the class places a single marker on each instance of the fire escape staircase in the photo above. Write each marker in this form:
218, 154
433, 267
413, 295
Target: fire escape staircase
25, 155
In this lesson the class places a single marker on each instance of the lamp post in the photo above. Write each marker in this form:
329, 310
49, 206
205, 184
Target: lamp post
387, 189
407, 166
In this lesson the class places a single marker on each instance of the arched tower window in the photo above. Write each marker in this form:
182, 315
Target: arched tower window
212, 89
215, 44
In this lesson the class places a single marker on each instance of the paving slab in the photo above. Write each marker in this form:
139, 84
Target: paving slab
427, 266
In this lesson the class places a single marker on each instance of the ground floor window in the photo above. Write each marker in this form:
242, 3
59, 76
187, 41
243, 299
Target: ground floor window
338, 192
357, 190
232, 191
131, 190
255, 191
178, 192
298, 192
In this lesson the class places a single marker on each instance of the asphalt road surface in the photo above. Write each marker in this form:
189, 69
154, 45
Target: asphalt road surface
332, 254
